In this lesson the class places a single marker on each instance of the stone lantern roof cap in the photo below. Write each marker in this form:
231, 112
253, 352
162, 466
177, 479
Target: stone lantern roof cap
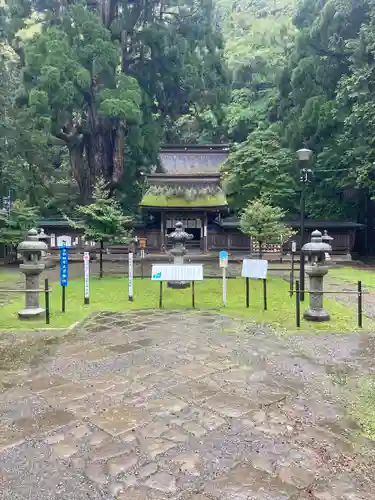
179, 235
316, 245
32, 243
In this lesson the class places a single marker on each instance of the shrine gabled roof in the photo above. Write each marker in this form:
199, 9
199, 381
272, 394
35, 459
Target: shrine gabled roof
184, 192
193, 159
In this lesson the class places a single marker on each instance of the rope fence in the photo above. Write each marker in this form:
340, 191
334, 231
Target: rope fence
359, 293
46, 290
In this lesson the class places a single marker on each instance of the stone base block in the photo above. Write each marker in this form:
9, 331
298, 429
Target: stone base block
31, 313
316, 315
179, 285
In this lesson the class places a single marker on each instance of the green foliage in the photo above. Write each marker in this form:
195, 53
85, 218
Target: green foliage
302, 76
101, 86
123, 102
260, 166
264, 222
15, 223
103, 220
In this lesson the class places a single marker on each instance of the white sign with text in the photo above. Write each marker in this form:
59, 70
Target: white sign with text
131, 275
254, 268
86, 265
173, 272
64, 241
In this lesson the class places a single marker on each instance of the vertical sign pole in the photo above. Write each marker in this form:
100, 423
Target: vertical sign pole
161, 295
86, 265
223, 263
294, 249
292, 277
247, 293
359, 285
142, 259
224, 286
265, 294
193, 294
46, 295
63, 275
63, 298
298, 305
130, 277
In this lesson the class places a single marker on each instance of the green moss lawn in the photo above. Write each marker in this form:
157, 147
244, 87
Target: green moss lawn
111, 294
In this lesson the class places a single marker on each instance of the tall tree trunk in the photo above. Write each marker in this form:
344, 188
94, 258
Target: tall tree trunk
260, 249
81, 171
119, 149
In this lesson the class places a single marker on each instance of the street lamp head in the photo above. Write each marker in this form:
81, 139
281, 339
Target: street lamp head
304, 154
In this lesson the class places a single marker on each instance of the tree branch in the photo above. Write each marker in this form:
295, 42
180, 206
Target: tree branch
324, 52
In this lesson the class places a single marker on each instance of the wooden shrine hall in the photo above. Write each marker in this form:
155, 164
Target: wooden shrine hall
188, 189
186, 186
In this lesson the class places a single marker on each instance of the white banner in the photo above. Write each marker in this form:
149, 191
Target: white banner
86, 265
173, 272
130, 277
254, 268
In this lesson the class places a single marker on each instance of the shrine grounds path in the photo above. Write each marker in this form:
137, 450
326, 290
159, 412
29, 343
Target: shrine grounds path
152, 405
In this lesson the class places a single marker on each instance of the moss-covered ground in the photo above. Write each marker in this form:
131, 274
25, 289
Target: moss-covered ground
111, 293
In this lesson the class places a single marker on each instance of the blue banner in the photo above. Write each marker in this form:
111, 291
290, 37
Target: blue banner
63, 266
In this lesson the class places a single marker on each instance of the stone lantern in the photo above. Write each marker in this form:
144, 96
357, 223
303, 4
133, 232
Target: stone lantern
316, 269
178, 237
31, 251
46, 239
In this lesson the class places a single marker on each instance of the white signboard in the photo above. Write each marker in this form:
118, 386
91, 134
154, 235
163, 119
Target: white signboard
294, 247
173, 272
64, 241
53, 241
86, 264
130, 277
254, 268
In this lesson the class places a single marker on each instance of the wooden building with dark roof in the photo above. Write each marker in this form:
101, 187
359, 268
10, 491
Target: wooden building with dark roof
188, 189
186, 186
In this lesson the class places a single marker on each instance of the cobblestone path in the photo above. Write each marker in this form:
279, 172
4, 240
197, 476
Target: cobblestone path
157, 405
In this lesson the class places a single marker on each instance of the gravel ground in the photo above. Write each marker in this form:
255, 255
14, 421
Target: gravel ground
159, 405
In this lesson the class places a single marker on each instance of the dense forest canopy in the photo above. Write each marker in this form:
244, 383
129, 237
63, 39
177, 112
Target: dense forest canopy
90, 89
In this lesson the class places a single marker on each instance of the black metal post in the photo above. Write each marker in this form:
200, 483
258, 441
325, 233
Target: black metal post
298, 305
101, 259
302, 233
161, 295
359, 285
193, 293
292, 277
291, 284
247, 293
63, 298
265, 294
46, 296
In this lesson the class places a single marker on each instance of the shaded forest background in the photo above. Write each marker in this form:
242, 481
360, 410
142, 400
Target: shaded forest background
91, 89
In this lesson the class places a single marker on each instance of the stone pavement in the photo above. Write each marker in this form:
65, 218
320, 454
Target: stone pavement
174, 405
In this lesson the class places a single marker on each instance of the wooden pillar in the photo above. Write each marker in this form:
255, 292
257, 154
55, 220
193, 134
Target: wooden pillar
162, 230
205, 248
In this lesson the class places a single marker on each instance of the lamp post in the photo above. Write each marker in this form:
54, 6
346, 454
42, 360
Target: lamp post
304, 155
